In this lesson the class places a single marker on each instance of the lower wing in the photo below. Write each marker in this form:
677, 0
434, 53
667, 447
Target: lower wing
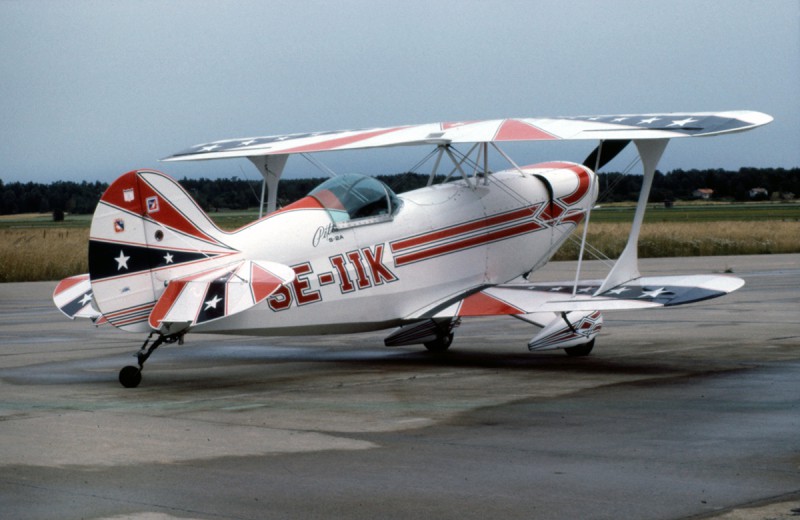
569, 314
527, 298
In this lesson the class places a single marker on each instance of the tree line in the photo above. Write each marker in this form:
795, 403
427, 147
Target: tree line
680, 184
237, 194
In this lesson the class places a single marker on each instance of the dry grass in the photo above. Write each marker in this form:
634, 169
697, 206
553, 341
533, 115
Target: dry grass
54, 253
42, 253
667, 239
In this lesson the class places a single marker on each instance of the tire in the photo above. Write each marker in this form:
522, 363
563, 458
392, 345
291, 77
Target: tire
130, 376
440, 344
580, 350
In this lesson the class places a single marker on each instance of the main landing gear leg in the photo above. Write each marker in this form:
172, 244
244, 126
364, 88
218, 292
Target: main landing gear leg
130, 376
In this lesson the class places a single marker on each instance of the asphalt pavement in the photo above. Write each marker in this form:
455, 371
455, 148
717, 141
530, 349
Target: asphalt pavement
686, 412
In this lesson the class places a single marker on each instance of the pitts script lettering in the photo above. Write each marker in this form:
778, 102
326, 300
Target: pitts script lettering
325, 233
355, 270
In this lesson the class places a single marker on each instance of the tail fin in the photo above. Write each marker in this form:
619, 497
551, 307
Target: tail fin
147, 230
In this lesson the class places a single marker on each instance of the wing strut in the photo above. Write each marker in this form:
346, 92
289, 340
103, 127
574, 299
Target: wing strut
485, 150
440, 151
271, 168
627, 266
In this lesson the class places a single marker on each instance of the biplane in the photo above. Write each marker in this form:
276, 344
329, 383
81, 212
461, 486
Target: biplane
354, 256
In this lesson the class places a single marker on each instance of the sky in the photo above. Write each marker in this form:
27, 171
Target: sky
92, 89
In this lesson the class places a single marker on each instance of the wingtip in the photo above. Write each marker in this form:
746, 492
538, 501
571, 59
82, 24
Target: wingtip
752, 117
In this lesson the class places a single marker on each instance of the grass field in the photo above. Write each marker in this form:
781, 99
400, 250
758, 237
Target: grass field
700, 212
667, 239
33, 247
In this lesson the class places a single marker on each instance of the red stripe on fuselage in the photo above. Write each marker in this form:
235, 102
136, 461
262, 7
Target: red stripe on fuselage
460, 245
304, 203
459, 229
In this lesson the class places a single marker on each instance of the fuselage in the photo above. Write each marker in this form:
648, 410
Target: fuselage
433, 244
364, 258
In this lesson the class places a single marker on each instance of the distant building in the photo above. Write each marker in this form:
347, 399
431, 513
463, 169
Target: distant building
758, 193
703, 193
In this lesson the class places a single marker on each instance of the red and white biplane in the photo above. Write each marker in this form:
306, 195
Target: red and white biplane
353, 256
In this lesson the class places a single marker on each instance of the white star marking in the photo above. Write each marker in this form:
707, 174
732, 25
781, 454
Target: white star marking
122, 260
247, 143
555, 289
209, 148
653, 294
86, 298
682, 122
648, 121
618, 119
585, 290
212, 303
618, 291
168, 258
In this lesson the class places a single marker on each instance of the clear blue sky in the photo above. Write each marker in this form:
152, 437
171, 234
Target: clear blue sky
91, 89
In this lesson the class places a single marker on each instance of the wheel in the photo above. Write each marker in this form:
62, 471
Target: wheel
440, 344
130, 376
580, 350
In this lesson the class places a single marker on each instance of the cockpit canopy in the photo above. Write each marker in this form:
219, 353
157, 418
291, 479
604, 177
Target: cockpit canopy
354, 200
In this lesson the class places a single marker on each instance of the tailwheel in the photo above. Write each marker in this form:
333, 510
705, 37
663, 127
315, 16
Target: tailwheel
440, 344
580, 350
130, 376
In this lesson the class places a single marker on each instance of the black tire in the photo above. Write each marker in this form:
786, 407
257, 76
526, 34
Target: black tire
440, 344
130, 376
580, 350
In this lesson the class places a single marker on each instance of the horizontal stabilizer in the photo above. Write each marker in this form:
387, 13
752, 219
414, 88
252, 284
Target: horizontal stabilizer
73, 296
640, 293
216, 294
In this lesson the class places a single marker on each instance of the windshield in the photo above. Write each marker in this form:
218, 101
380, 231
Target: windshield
354, 197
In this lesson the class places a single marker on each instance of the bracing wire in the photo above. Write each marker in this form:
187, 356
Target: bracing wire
423, 160
250, 183
319, 164
588, 247
610, 187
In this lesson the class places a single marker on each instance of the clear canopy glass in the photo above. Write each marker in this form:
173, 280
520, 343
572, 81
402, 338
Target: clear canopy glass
356, 198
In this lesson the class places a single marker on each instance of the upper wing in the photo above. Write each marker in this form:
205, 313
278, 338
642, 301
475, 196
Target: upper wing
529, 298
630, 126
